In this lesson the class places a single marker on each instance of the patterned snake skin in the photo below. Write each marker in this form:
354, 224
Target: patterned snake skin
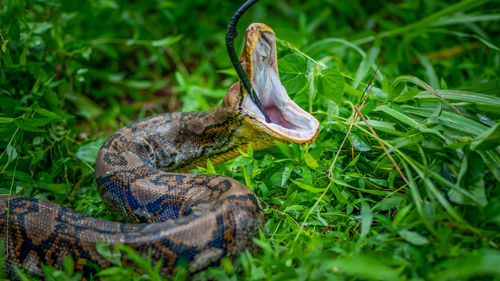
180, 218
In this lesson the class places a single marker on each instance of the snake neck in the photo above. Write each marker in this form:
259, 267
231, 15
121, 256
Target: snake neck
219, 135
182, 141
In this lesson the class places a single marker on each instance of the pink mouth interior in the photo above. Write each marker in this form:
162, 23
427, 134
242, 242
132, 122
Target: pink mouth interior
287, 118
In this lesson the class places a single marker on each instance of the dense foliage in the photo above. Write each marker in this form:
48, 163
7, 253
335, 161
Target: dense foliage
72, 72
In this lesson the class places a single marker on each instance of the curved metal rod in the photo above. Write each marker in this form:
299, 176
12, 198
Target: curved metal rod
232, 33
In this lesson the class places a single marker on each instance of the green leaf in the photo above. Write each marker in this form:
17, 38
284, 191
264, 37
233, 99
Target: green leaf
390, 203
407, 95
384, 126
287, 150
306, 175
117, 271
366, 219
210, 167
489, 103
26, 126
41, 27
359, 143
6, 120
413, 237
401, 117
487, 140
21, 275
293, 73
294, 208
104, 249
460, 19
286, 174
331, 85
448, 119
429, 70
464, 197
248, 179
11, 152
243, 153
49, 114
166, 41
4, 45
366, 64
310, 161
69, 265
250, 150
401, 215
333, 109
58, 188
307, 187
88, 150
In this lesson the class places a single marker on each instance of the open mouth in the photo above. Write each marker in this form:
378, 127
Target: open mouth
288, 120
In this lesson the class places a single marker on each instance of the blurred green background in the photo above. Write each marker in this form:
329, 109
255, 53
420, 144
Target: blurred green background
120, 55
73, 72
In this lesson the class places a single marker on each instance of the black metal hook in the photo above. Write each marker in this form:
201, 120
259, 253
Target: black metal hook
232, 33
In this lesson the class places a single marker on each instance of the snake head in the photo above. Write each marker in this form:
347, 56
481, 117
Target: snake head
288, 122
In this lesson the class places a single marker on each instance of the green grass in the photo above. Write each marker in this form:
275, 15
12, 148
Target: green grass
73, 72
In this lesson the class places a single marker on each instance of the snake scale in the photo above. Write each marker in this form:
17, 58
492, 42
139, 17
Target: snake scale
194, 219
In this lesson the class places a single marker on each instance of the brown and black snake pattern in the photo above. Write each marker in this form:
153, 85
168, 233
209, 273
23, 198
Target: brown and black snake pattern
199, 218
179, 218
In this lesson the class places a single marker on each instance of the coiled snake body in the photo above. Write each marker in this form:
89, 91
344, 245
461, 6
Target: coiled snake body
178, 217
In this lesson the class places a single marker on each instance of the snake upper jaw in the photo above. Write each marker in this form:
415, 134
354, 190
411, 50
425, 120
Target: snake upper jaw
289, 122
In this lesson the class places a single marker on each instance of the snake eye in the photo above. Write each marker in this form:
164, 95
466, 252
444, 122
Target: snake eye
187, 212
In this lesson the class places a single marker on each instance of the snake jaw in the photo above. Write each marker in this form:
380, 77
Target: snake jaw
289, 122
